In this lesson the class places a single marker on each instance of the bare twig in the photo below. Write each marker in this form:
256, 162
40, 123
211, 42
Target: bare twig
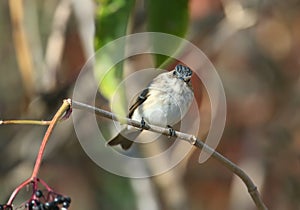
252, 189
25, 122
64, 107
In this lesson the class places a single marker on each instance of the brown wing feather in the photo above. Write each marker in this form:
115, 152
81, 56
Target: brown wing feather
120, 138
142, 97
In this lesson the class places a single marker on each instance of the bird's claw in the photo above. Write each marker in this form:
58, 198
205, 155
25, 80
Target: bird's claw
172, 132
143, 124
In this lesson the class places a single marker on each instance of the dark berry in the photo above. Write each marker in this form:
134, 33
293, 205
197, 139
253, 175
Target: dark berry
68, 199
66, 204
1, 207
30, 204
49, 205
38, 193
58, 199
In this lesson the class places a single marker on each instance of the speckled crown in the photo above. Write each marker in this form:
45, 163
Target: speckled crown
183, 71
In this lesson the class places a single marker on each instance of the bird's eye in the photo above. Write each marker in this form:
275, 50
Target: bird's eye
174, 73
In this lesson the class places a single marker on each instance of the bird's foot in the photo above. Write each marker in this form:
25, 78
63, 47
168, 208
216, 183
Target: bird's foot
172, 132
143, 124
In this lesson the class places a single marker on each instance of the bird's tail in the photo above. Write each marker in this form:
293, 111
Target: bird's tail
124, 138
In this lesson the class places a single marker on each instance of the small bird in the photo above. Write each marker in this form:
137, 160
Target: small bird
163, 103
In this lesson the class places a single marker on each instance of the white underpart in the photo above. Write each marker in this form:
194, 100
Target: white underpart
168, 101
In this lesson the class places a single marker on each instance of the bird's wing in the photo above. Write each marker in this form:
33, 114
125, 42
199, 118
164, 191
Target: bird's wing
142, 97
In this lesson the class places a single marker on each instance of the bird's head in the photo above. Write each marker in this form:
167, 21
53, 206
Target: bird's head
183, 72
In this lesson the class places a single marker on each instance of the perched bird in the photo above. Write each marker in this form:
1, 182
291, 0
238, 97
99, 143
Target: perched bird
163, 103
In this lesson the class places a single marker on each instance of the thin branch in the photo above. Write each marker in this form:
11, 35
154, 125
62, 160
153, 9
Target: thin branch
64, 108
25, 122
17, 190
252, 189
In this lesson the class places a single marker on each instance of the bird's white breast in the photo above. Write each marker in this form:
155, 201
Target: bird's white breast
168, 101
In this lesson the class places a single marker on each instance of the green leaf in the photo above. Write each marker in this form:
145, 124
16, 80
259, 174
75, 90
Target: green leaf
112, 20
170, 17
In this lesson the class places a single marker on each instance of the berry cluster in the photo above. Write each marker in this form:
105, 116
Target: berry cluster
50, 201
43, 201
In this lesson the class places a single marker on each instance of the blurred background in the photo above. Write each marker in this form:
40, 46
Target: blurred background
255, 47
